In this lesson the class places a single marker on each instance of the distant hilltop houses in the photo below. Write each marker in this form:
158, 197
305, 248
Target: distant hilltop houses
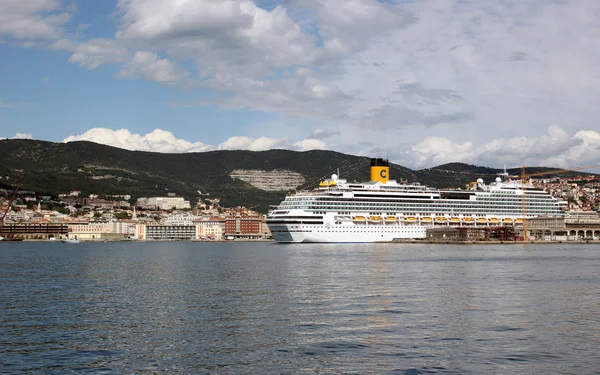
163, 203
101, 217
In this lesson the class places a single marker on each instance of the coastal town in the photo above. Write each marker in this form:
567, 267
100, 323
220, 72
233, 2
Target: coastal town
98, 217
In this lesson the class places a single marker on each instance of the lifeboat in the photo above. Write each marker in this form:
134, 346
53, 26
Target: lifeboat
410, 218
391, 219
469, 220
494, 220
358, 218
322, 183
519, 221
507, 220
375, 219
455, 219
482, 220
441, 218
426, 219
332, 183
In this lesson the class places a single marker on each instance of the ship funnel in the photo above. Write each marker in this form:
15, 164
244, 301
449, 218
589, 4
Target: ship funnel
380, 170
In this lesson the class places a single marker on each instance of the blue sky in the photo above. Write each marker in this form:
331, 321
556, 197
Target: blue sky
421, 82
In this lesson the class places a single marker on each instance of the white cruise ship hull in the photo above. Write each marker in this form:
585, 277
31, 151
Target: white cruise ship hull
349, 234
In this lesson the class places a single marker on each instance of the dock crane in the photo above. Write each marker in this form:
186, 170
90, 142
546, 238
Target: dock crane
525, 176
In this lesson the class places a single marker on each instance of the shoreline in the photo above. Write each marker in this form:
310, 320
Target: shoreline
408, 241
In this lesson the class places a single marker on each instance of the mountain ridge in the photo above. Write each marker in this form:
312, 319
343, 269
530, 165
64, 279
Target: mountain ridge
55, 168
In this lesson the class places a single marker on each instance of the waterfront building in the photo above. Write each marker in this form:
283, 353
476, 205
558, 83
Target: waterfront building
125, 227
166, 232
210, 232
213, 226
33, 230
244, 226
93, 231
564, 229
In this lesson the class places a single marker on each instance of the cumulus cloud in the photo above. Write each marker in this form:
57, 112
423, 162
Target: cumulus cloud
164, 141
94, 52
30, 20
450, 66
258, 144
555, 148
219, 35
158, 140
23, 136
148, 65
310, 144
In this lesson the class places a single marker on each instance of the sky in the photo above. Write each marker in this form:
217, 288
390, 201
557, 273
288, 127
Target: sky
420, 82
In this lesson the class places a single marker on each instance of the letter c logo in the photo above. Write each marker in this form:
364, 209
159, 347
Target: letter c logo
383, 174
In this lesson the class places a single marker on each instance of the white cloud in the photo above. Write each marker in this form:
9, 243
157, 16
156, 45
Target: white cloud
556, 149
94, 52
28, 20
310, 144
23, 136
164, 141
157, 141
450, 67
218, 35
149, 66
347, 25
258, 144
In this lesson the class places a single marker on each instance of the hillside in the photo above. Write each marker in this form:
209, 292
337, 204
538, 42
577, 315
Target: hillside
55, 168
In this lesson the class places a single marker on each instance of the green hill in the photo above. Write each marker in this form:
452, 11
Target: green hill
53, 168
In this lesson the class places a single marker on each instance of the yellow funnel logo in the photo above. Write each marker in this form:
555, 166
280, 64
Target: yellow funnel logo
380, 173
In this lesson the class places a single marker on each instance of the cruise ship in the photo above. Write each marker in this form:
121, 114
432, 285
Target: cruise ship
383, 210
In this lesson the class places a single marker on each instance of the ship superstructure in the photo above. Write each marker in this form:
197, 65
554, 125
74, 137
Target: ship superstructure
383, 210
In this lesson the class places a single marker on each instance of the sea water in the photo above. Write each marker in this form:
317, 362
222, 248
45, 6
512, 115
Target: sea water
264, 308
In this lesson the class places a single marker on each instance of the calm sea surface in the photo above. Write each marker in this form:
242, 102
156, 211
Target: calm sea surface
263, 308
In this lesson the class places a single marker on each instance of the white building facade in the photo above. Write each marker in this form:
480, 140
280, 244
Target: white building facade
164, 203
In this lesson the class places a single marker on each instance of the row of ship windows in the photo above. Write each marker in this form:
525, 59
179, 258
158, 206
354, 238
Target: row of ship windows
403, 202
324, 205
355, 207
444, 209
427, 201
426, 197
284, 205
404, 228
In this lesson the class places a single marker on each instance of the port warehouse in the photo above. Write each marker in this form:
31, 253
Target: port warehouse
542, 228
